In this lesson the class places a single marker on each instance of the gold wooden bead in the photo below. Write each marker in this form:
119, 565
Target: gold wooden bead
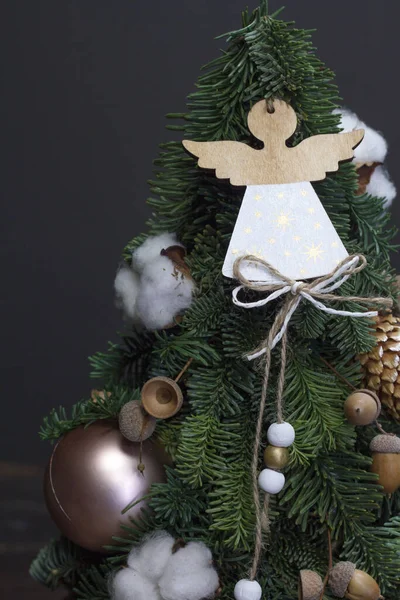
276, 457
162, 397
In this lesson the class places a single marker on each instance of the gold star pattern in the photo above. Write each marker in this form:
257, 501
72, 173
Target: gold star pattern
257, 197
314, 252
334, 245
296, 238
311, 210
258, 214
317, 225
281, 195
303, 193
287, 253
235, 251
271, 241
303, 271
248, 230
283, 220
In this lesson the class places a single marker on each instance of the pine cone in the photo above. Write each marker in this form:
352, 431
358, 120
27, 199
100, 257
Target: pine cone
382, 364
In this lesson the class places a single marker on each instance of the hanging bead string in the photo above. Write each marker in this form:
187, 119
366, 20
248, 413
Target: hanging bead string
314, 291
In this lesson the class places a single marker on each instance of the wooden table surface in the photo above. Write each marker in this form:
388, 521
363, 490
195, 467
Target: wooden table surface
24, 528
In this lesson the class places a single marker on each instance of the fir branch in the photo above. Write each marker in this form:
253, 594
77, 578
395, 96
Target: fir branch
86, 412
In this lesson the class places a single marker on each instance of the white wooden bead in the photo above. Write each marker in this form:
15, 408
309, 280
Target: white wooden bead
247, 590
281, 434
271, 481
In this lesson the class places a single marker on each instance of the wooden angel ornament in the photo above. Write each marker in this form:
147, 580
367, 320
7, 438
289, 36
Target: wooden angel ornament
281, 218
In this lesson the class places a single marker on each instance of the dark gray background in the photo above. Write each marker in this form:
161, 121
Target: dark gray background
85, 86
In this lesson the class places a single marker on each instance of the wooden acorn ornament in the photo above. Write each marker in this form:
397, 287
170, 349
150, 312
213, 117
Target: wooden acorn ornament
362, 407
385, 450
162, 397
310, 585
134, 422
346, 581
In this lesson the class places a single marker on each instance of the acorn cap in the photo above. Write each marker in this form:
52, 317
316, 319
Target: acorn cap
162, 397
310, 585
134, 423
385, 444
340, 576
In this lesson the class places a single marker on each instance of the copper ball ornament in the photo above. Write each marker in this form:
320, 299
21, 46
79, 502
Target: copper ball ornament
92, 476
162, 397
385, 450
134, 423
362, 407
276, 457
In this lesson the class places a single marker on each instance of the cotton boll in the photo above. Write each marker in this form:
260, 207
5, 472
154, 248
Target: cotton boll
161, 300
190, 558
162, 274
373, 147
348, 119
130, 585
154, 308
151, 248
150, 559
203, 583
381, 186
126, 287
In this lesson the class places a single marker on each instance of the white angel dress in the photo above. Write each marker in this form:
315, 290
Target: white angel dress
281, 219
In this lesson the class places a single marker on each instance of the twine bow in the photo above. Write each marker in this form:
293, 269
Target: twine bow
313, 291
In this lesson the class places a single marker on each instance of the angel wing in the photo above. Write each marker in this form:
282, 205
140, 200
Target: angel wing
324, 152
230, 159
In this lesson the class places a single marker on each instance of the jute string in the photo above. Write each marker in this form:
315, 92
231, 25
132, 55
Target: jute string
313, 291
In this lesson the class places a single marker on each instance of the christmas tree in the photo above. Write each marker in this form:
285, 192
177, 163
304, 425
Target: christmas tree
334, 517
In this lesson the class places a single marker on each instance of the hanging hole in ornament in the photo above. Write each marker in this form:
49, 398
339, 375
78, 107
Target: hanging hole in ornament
270, 107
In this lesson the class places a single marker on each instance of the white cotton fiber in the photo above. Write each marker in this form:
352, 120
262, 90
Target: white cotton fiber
151, 248
126, 286
159, 302
348, 119
154, 308
202, 583
373, 147
150, 559
381, 186
129, 585
190, 558
162, 274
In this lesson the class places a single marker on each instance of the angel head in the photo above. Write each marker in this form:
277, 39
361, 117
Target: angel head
272, 125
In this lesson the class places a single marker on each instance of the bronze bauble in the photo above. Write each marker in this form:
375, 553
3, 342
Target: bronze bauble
92, 476
362, 587
362, 407
276, 457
